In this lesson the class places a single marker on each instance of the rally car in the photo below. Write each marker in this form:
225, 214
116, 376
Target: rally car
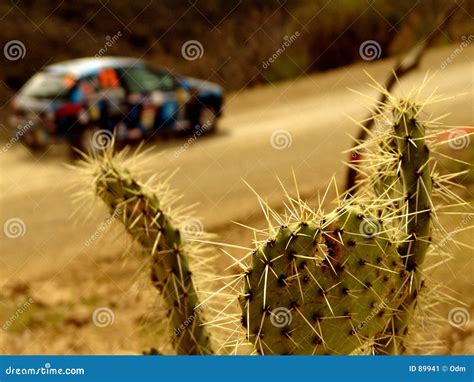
75, 100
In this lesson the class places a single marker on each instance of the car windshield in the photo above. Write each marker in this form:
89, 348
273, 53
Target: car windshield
140, 80
46, 85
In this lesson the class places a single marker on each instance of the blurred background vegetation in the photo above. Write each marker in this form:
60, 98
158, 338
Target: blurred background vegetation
237, 35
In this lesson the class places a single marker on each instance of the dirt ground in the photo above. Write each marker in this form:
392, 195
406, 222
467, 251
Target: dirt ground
51, 283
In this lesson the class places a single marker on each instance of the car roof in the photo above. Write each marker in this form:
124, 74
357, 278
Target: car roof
90, 65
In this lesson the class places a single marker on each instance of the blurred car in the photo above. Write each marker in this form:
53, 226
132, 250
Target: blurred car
75, 100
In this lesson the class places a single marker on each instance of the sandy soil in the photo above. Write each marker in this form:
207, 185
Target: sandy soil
67, 280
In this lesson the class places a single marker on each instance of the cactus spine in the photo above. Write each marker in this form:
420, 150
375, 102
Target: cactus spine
152, 228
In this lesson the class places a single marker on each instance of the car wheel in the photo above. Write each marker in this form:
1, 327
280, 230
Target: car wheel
208, 120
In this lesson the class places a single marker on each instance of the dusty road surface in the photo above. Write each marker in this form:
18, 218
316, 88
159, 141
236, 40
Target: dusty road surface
267, 132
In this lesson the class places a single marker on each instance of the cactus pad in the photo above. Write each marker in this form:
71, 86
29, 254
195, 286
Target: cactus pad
153, 229
315, 286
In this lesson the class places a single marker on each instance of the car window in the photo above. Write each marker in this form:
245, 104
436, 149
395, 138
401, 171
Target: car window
139, 79
48, 85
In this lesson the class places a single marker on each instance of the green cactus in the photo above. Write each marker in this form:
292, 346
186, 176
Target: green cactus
412, 160
322, 287
414, 157
400, 195
153, 229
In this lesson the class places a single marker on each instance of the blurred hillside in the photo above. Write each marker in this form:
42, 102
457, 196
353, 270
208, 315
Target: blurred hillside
237, 36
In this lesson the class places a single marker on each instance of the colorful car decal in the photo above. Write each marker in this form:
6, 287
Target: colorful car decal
98, 96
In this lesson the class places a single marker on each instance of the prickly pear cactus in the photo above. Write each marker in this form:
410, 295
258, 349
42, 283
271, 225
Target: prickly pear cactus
150, 225
352, 280
322, 287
